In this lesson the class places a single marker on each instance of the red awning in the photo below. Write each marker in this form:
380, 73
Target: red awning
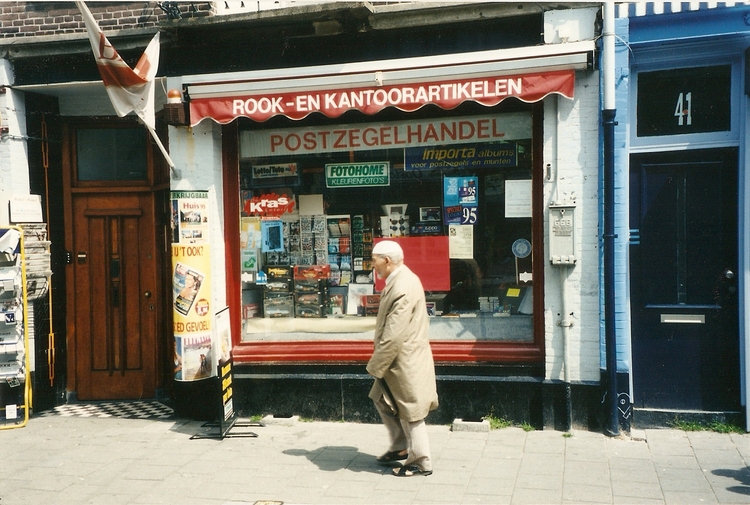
485, 77
370, 100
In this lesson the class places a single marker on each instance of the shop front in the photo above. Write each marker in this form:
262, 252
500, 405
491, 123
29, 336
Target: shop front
453, 156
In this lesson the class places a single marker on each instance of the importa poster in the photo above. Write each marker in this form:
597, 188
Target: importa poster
191, 287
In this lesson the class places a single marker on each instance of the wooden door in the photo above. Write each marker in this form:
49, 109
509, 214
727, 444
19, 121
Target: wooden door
115, 255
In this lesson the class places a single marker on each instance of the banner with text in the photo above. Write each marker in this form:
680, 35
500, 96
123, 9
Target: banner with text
408, 97
385, 135
504, 154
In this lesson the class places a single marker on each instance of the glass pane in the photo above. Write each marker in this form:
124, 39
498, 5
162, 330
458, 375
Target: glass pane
114, 154
488, 291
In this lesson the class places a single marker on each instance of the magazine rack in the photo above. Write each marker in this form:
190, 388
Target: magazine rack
15, 391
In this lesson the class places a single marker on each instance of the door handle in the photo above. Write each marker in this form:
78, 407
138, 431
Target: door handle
147, 294
728, 274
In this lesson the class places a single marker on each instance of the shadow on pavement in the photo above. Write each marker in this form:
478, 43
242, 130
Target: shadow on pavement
743, 476
333, 458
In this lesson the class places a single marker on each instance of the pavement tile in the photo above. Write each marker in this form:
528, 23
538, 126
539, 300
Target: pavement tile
688, 498
628, 449
628, 500
585, 472
435, 492
481, 499
498, 468
530, 481
679, 461
710, 440
636, 490
682, 486
490, 486
544, 442
680, 479
542, 464
536, 497
464, 446
586, 493
342, 489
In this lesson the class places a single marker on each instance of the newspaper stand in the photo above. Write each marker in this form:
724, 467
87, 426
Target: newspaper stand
15, 390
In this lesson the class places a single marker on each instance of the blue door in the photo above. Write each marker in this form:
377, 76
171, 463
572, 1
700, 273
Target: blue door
684, 301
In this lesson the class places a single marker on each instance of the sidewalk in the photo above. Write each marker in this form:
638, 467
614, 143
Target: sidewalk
78, 460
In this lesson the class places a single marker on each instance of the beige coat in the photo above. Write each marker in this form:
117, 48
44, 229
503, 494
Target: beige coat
402, 354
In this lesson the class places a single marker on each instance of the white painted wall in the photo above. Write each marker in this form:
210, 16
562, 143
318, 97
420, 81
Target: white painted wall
196, 153
571, 148
14, 164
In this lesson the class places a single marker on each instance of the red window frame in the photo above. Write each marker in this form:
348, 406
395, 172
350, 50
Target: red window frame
322, 351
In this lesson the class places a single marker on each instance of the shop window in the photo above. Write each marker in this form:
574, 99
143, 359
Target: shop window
456, 192
111, 154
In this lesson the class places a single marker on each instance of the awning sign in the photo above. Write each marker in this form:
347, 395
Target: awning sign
370, 100
342, 175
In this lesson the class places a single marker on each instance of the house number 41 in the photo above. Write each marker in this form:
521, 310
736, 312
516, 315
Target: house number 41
684, 109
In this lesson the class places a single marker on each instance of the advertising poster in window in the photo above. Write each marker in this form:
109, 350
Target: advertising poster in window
460, 200
191, 287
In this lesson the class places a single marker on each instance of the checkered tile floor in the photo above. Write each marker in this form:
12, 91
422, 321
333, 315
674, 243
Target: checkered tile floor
125, 410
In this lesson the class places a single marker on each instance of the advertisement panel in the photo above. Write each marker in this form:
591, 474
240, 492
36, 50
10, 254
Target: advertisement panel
191, 286
339, 175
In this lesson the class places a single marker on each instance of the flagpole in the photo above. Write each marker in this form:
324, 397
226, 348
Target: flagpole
172, 167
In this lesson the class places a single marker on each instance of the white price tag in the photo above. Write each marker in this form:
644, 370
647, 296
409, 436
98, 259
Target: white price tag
11, 412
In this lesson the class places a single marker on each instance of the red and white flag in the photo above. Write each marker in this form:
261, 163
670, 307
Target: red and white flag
128, 89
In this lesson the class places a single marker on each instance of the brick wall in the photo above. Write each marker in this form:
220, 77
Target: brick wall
33, 19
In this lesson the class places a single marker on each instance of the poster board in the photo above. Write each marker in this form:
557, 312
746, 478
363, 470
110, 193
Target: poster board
428, 257
227, 416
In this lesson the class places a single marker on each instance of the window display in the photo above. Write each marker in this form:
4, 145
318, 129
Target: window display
457, 191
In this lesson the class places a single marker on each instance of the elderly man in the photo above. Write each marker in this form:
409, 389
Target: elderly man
404, 391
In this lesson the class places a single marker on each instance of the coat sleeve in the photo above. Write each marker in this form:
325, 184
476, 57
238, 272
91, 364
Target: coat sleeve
389, 340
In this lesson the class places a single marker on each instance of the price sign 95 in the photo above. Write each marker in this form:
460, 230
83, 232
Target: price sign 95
469, 215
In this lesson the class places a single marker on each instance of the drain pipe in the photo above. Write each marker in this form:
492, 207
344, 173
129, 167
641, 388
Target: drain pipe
566, 323
608, 120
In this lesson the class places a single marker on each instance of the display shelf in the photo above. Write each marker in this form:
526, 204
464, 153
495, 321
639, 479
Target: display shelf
15, 392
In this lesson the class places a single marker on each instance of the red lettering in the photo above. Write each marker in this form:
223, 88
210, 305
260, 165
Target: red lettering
340, 141
293, 142
324, 137
276, 141
465, 130
309, 141
354, 138
370, 137
385, 135
495, 131
482, 129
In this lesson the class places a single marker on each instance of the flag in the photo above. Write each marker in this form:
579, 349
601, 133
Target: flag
129, 90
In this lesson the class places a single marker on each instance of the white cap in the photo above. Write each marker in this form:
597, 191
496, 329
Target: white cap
388, 247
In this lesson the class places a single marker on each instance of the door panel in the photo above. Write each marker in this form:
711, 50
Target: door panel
114, 312
684, 303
